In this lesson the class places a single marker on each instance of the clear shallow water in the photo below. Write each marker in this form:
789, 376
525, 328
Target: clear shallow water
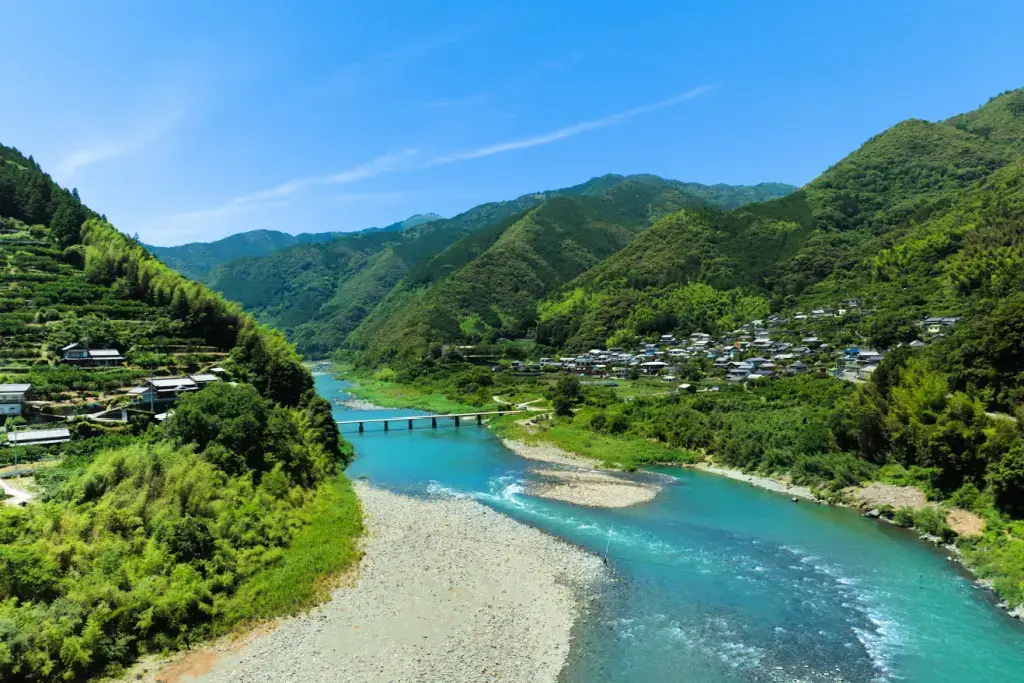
720, 581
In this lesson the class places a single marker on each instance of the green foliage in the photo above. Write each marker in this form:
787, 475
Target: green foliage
146, 538
565, 395
146, 548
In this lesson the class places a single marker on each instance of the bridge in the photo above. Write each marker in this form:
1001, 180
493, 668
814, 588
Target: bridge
456, 418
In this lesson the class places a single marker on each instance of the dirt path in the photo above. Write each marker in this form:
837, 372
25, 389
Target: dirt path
18, 496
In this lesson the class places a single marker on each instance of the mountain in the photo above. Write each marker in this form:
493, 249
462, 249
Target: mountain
196, 259
829, 240
169, 531
320, 293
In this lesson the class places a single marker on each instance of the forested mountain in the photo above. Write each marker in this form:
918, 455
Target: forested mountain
321, 293
147, 535
196, 259
845, 234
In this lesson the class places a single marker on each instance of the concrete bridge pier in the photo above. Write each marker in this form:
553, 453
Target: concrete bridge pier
433, 422
360, 427
479, 419
410, 424
385, 425
456, 420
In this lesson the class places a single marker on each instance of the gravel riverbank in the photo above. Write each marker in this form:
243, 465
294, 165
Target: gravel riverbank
580, 485
448, 590
760, 482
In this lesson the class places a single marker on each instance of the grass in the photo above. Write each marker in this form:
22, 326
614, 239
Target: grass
320, 550
620, 452
396, 395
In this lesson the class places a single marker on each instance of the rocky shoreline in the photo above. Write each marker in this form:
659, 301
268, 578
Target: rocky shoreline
448, 590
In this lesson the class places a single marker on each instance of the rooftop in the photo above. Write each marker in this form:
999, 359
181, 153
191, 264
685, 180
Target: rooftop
14, 388
38, 436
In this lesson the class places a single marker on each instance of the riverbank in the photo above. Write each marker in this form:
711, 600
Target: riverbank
767, 483
581, 485
447, 590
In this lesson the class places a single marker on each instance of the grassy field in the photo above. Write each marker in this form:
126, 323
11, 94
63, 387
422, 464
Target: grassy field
327, 545
396, 395
619, 452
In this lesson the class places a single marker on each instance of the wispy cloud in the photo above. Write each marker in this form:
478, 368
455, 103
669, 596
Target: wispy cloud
132, 141
277, 195
453, 102
567, 132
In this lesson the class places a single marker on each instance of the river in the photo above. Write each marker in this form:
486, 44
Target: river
719, 581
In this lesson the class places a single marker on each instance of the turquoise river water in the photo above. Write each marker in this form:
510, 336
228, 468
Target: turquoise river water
719, 581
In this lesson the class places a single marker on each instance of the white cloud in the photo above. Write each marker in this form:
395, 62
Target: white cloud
567, 132
132, 141
192, 222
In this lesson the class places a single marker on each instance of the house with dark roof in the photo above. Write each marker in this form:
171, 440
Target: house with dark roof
13, 397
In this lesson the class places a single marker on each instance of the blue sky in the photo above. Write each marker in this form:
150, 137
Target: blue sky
194, 120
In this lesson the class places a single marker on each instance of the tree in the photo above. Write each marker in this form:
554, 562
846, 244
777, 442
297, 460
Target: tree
1007, 479
565, 395
231, 417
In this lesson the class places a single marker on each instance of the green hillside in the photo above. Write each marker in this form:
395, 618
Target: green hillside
321, 293
148, 535
488, 284
196, 259
811, 247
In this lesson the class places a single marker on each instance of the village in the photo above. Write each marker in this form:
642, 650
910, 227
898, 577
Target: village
33, 418
823, 341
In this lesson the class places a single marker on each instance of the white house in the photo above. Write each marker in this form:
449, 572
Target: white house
12, 397
170, 388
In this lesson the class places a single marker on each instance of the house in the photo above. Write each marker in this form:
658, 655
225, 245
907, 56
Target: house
917, 344
163, 389
866, 372
739, 373
12, 397
937, 325
652, 367
798, 368
80, 354
686, 389
38, 437
811, 342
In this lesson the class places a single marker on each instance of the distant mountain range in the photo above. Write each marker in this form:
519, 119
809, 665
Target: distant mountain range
197, 259
484, 269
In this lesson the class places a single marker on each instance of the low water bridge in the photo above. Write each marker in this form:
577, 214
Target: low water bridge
433, 418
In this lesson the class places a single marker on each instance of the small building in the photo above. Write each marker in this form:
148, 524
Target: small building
652, 367
937, 325
686, 389
13, 397
38, 437
866, 372
164, 389
798, 368
80, 354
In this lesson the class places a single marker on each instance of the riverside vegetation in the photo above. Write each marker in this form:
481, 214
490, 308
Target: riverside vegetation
924, 219
148, 537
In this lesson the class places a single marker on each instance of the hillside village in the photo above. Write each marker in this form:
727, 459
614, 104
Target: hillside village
760, 350
80, 358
